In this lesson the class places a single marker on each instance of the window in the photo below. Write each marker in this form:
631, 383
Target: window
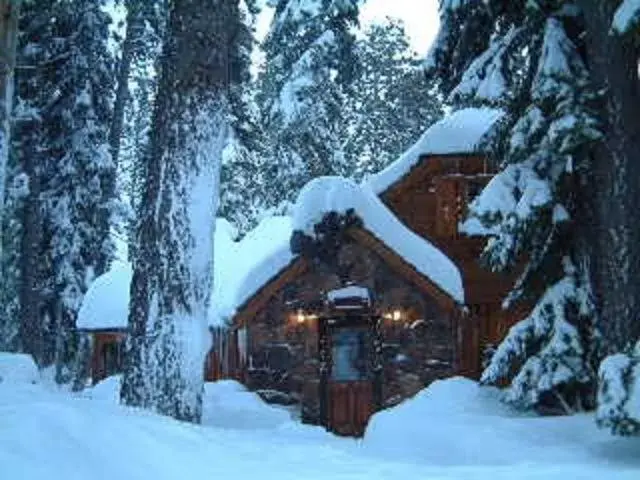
349, 355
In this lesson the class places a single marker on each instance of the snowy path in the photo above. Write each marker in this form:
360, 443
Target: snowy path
49, 435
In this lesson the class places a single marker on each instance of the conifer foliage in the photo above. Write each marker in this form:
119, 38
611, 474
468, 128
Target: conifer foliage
532, 69
390, 104
309, 67
62, 159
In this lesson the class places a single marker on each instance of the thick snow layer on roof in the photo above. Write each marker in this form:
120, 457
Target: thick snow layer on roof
336, 194
106, 303
224, 254
261, 255
459, 132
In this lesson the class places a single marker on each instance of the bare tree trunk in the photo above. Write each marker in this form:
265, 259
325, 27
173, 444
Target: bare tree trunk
9, 13
31, 281
173, 264
615, 179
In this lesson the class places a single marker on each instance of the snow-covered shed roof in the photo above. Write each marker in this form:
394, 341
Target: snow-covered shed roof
336, 194
106, 304
458, 133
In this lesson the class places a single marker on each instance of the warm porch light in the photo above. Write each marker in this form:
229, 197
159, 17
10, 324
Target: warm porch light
300, 316
395, 315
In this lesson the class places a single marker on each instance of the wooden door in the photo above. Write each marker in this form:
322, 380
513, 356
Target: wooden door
350, 399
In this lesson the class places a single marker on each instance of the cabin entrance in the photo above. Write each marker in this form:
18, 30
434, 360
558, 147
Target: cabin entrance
350, 377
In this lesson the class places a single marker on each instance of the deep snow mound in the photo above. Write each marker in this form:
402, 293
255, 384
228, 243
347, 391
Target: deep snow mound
455, 421
228, 404
18, 368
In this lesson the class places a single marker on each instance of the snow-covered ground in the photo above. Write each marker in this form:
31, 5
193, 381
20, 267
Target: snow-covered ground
453, 430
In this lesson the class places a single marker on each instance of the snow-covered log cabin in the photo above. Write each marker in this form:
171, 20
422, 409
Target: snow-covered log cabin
365, 295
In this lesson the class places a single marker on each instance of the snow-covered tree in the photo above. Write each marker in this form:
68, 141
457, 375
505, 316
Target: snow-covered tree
464, 33
612, 40
9, 13
133, 105
309, 67
533, 69
171, 284
390, 102
243, 187
619, 393
78, 195
61, 151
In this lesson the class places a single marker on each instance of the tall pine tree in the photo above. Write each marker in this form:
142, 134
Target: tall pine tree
172, 277
534, 70
64, 90
390, 104
309, 68
612, 43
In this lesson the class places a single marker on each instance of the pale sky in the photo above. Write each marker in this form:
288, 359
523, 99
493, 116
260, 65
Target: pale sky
419, 16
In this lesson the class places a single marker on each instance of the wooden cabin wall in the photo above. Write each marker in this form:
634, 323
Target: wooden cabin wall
283, 356
432, 200
105, 344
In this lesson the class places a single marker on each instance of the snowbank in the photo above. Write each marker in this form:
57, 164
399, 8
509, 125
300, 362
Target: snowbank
228, 404
457, 422
75, 438
459, 132
335, 194
107, 390
17, 368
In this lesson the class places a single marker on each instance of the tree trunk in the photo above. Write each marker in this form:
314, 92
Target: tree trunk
133, 36
615, 180
9, 13
31, 281
173, 265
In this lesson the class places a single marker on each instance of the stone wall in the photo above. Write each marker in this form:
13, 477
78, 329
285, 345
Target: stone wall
283, 353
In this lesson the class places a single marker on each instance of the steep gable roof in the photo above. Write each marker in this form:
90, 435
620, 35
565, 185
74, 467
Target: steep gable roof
459, 133
335, 194
410, 255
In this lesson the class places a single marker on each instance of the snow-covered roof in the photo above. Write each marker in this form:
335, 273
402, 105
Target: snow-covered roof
460, 132
335, 194
106, 304
266, 252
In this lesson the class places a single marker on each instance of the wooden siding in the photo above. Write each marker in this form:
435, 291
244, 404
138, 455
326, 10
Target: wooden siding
432, 200
106, 353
